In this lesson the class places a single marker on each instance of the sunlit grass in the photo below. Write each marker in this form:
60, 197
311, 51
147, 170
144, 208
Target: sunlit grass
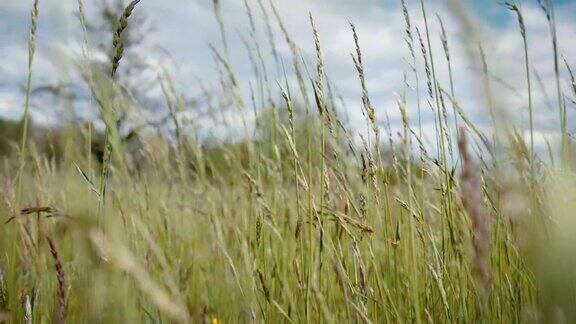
296, 222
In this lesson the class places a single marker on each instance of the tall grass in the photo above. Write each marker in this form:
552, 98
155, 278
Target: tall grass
294, 221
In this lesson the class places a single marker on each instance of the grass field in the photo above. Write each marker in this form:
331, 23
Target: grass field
302, 219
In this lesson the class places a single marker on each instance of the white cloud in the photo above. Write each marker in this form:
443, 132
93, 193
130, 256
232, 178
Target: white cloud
10, 105
184, 28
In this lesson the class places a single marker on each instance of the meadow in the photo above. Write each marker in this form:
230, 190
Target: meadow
302, 218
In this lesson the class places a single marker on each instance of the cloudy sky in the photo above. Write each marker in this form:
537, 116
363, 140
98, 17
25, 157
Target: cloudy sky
183, 29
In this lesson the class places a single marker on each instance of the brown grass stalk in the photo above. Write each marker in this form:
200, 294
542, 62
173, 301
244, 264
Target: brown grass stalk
472, 201
61, 308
